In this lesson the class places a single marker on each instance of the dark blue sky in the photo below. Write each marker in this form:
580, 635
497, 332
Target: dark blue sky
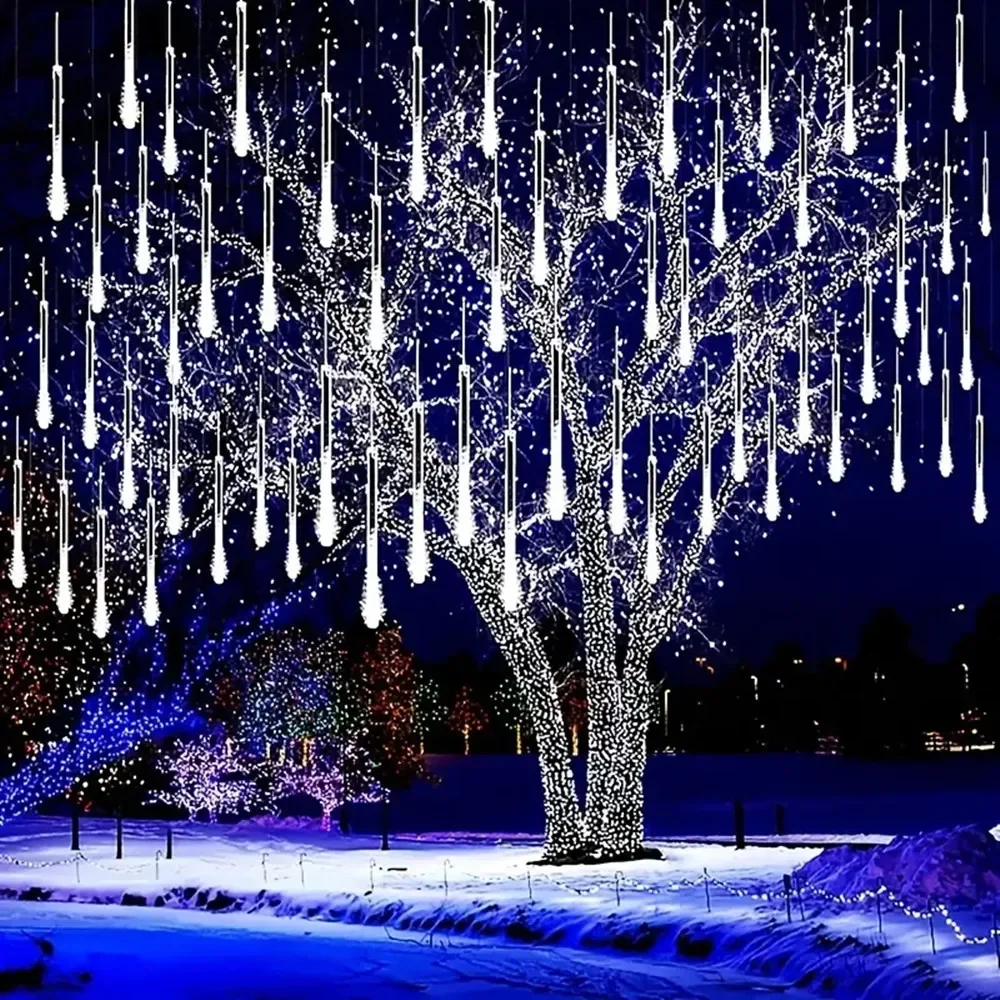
817, 576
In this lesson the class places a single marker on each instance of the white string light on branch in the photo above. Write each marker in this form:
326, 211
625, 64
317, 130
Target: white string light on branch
706, 520
652, 527
326, 514
720, 233
966, 377
556, 492
900, 159
102, 622
901, 316
616, 512
652, 318
261, 529
511, 587
268, 310
241, 118
849, 139
835, 465
464, 519
58, 203
175, 516
539, 256
143, 260
18, 568
151, 603
490, 136
64, 588
376, 319
89, 383
668, 136
985, 225
170, 96
96, 238
418, 174
293, 564
127, 494
897, 479
206, 300
945, 463
765, 135
43, 406
497, 333
612, 196
324, 233
959, 107
979, 499
804, 422
924, 374
418, 562
372, 608
128, 107
947, 254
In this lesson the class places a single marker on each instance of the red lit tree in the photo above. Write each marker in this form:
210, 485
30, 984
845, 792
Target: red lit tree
467, 716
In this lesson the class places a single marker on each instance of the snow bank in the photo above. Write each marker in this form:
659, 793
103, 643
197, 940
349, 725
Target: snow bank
959, 866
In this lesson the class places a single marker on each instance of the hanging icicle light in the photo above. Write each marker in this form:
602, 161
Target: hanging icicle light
127, 494
89, 383
685, 348
490, 136
464, 520
241, 120
511, 588
293, 564
900, 160
772, 501
326, 514
612, 196
418, 175
765, 137
64, 589
325, 229
803, 231
556, 492
174, 372
835, 466
418, 562
151, 604
898, 479
96, 274
376, 320
985, 226
128, 107
539, 256
652, 530
652, 320
175, 517
206, 300
668, 137
268, 310
979, 501
966, 378
219, 568
901, 317
58, 204
739, 462
804, 421
43, 408
616, 513
720, 233
945, 463
102, 622
706, 520
947, 254
18, 568
372, 608
924, 373
867, 330
959, 107
170, 92
143, 261
261, 529
497, 329
849, 141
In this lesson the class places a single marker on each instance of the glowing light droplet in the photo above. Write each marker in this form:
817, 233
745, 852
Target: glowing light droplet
511, 587
174, 371
803, 230
43, 407
128, 107
89, 382
706, 520
556, 486
219, 568
96, 229
612, 196
376, 319
151, 604
241, 119
849, 140
900, 159
206, 300
170, 94
739, 461
835, 465
765, 136
901, 316
652, 318
58, 203
490, 140
326, 513
985, 225
867, 331
720, 232
293, 564
945, 463
175, 516
979, 500
959, 106
102, 622
64, 588
325, 229
372, 608
143, 261
947, 253
268, 310
418, 174
464, 520
18, 567
772, 501
539, 257
668, 137
966, 378
127, 494
897, 479
261, 529
418, 562
616, 512
685, 348
497, 334
924, 373
804, 422
652, 529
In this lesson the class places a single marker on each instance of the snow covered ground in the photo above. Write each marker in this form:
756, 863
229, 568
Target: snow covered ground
477, 891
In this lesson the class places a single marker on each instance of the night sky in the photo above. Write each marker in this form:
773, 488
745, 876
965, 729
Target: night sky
817, 575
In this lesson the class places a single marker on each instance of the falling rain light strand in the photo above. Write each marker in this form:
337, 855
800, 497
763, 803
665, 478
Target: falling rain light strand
835, 466
418, 562
898, 478
652, 528
326, 221
18, 568
57, 201
219, 568
490, 135
979, 499
96, 239
947, 253
945, 464
966, 378
102, 622
959, 107
557, 499
612, 196
372, 608
707, 518
900, 160
128, 108
924, 374
849, 140
765, 136
170, 95
206, 301
143, 261
539, 256
261, 530
668, 136
464, 519
511, 588
43, 408
127, 494
241, 119
418, 174
616, 513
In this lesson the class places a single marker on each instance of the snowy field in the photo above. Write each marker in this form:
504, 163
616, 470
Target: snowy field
478, 892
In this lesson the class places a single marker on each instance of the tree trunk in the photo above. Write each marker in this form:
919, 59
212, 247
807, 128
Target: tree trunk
465, 739
517, 738
623, 831
344, 819
385, 821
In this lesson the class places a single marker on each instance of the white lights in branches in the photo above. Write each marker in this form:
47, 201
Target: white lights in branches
18, 569
765, 136
219, 568
418, 562
372, 608
127, 494
616, 513
241, 119
174, 372
89, 381
867, 330
803, 231
175, 516
128, 107
57, 201
268, 310
900, 160
849, 139
170, 94
376, 319
206, 300
293, 564
924, 373
511, 586
539, 257
490, 139
652, 530
43, 407
739, 460
64, 589
652, 320
685, 349
464, 519
418, 174
612, 196
947, 254
326, 515
959, 107
497, 333
102, 623
324, 232
772, 501
143, 261
965, 377
668, 136
720, 234
945, 463
804, 422
261, 530
901, 316
897, 479
706, 520
151, 603
985, 225
556, 491
835, 465
979, 500
96, 273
